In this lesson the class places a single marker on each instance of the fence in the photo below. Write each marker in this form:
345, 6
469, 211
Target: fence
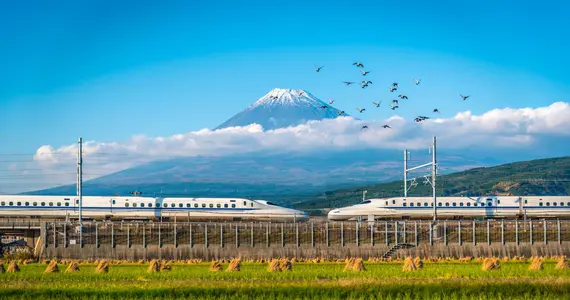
303, 235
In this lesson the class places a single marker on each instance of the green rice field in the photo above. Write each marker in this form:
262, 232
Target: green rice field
380, 280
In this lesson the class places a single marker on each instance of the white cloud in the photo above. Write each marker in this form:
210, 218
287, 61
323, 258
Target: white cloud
496, 129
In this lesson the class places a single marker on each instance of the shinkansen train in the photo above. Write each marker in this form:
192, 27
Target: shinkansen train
147, 208
457, 208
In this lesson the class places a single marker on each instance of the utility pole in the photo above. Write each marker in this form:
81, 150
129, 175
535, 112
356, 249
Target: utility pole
80, 179
405, 173
433, 176
433, 165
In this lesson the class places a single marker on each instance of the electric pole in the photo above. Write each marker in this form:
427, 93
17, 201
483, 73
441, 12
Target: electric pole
80, 178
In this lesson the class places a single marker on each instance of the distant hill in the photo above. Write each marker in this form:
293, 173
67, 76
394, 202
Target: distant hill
549, 176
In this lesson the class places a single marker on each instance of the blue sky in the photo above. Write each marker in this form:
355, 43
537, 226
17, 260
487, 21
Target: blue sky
106, 70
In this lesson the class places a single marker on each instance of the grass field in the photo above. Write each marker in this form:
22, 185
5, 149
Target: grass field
380, 280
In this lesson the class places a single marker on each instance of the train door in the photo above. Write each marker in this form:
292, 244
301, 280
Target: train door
490, 207
158, 207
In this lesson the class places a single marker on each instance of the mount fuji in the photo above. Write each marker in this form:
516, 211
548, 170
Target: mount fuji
283, 108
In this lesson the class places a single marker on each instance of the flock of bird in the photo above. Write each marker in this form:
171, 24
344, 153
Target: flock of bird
394, 104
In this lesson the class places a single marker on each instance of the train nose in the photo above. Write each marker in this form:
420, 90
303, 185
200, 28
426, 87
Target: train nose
336, 215
301, 216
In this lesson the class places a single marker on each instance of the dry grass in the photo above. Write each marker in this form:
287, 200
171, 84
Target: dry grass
465, 259
165, 266
354, 264
285, 265
234, 265
562, 264
349, 264
13, 267
419, 263
73, 267
409, 265
102, 267
274, 266
536, 264
52, 267
490, 264
153, 266
216, 266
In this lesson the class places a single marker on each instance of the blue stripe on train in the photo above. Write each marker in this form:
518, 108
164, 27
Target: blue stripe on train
123, 208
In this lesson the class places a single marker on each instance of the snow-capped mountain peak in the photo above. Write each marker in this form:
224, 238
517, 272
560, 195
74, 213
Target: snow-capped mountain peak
282, 108
279, 96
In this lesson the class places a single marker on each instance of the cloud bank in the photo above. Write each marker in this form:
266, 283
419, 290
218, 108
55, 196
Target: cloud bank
515, 129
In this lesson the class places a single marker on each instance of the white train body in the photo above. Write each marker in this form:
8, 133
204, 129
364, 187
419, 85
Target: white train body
457, 207
147, 208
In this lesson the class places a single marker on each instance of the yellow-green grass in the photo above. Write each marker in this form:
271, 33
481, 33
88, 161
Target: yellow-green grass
441, 280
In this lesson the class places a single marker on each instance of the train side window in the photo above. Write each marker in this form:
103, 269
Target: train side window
66, 203
142, 204
561, 203
35, 204
150, 204
439, 204
419, 204
540, 204
404, 204
525, 201
554, 204
203, 204
431, 204
114, 202
211, 205
547, 203
468, 204
460, 203
3, 203
411, 204
77, 201
244, 203
165, 205
454, 204
196, 205
498, 201
226, 205
233, 206
172, 205
180, 205
425, 204
393, 201
218, 205
446, 203
43, 203
188, 205
251, 204
59, 204
20, 203
134, 205
51, 204
127, 204
568, 204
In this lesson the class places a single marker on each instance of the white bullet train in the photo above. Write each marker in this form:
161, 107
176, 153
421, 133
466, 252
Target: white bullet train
456, 208
147, 208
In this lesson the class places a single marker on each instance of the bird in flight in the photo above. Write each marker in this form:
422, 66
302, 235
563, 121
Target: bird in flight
435, 110
386, 126
377, 104
301, 93
395, 84
318, 69
420, 119
331, 101
364, 84
392, 88
464, 97
417, 81
360, 109
324, 106
403, 96
348, 82
340, 113
395, 101
393, 107
364, 72
358, 65
364, 127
